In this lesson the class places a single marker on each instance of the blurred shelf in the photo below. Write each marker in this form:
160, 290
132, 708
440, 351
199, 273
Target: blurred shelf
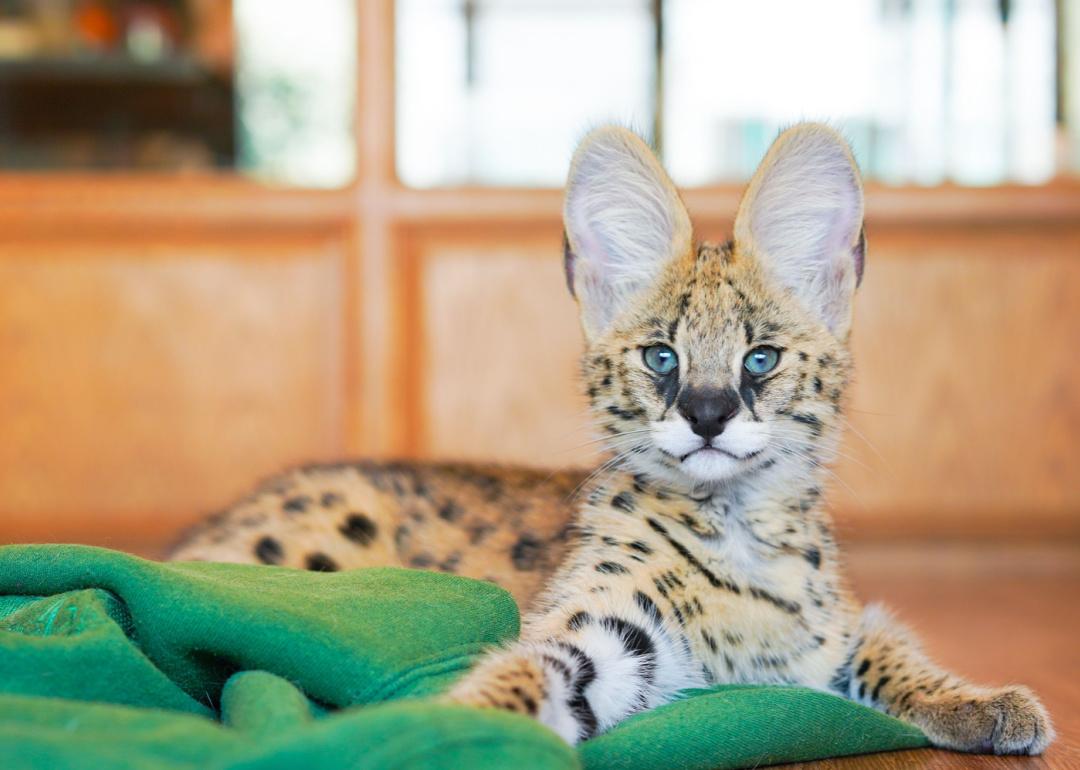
103, 68
105, 112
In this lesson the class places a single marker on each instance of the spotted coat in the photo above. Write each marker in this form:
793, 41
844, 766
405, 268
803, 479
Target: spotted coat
507, 525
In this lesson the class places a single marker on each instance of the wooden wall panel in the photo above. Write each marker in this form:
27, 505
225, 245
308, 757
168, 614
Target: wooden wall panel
968, 390
154, 363
965, 412
500, 344
146, 382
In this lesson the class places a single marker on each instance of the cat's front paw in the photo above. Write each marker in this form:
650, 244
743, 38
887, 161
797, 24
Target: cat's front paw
503, 681
1006, 721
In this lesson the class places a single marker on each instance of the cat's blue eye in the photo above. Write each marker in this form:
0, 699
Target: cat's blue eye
761, 360
661, 359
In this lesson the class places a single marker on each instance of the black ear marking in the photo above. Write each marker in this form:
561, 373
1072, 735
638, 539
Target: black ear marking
568, 263
859, 253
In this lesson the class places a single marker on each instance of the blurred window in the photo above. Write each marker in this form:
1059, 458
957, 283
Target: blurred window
498, 91
296, 90
263, 86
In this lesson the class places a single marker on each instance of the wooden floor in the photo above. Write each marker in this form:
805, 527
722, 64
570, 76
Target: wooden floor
995, 614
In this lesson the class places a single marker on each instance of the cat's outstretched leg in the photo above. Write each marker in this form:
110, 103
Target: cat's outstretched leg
888, 670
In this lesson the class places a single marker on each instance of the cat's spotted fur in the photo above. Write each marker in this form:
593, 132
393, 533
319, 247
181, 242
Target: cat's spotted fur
507, 525
701, 554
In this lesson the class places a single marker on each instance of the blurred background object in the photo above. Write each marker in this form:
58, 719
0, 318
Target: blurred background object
236, 236
927, 90
496, 92
177, 85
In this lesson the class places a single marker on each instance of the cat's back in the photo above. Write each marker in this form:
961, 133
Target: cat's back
500, 523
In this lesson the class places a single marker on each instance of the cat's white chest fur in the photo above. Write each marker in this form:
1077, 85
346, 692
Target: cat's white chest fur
730, 542
735, 547
736, 551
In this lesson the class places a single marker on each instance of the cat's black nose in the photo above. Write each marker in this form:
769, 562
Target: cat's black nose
708, 409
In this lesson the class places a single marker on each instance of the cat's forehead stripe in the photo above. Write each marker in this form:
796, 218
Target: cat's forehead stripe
716, 292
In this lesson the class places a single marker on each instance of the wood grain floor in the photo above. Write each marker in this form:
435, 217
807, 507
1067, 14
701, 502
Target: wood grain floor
994, 614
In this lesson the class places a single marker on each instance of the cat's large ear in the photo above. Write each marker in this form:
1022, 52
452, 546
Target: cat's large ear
802, 218
623, 220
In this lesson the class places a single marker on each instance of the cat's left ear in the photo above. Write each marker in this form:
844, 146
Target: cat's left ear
802, 218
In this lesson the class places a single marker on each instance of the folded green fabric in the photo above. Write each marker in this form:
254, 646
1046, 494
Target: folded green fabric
110, 661
738, 726
178, 631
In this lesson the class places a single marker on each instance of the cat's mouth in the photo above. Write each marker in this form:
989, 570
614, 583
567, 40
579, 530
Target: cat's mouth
708, 449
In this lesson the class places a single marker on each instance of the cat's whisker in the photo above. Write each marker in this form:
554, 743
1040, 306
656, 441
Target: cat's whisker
855, 431
609, 466
609, 438
784, 427
794, 436
599, 476
836, 453
582, 425
851, 410
806, 455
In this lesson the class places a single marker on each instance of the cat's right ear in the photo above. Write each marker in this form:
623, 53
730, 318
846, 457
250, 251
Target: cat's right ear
624, 220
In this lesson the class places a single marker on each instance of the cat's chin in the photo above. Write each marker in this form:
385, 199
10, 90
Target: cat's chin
711, 465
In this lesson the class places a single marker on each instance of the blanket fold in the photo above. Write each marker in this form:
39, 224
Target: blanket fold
111, 661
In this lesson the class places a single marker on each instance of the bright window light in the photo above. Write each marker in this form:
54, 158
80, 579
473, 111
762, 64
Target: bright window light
499, 91
296, 86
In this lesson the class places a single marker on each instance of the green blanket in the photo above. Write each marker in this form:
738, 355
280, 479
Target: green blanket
110, 661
